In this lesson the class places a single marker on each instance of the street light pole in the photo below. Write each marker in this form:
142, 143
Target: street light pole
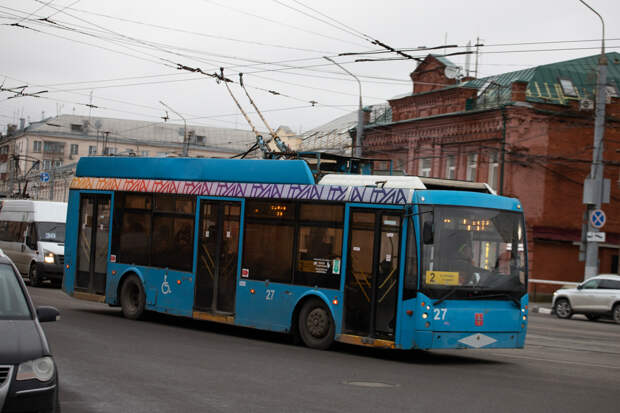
594, 187
185, 140
357, 147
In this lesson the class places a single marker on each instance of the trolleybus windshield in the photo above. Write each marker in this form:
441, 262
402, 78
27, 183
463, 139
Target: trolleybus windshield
472, 251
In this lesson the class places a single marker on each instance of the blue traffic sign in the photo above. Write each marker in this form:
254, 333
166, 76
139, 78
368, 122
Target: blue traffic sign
45, 177
598, 218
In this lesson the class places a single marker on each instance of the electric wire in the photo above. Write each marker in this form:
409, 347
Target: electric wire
279, 22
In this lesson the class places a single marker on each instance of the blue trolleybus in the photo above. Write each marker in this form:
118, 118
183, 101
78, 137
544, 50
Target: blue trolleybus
383, 261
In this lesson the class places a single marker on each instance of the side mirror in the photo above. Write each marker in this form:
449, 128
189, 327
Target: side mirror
580, 286
428, 233
47, 313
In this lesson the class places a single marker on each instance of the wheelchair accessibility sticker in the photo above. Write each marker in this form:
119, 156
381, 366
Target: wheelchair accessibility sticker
165, 287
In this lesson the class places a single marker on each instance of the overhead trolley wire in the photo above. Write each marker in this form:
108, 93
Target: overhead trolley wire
279, 22
219, 37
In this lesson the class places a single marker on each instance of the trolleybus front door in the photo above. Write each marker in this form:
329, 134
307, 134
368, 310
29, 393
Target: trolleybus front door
372, 273
218, 244
93, 239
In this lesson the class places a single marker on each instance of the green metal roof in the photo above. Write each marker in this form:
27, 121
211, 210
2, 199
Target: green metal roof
544, 81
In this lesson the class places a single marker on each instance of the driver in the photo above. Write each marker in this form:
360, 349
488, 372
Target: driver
464, 263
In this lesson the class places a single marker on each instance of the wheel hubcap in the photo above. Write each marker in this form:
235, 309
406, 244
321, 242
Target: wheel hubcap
562, 309
317, 323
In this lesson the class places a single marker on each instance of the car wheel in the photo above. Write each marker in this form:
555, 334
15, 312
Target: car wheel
616, 313
592, 317
132, 298
33, 275
563, 308
316, 326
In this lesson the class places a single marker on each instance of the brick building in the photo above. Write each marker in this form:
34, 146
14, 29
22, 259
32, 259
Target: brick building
528, 133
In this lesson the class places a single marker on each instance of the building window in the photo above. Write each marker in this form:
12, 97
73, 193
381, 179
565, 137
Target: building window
57, 163
450, 167
424, 167
568, 88
76, 127
47, 164
493, 167
53, 147
74, 149
144, 153
92, 150
109, 151
36, 146
472, 165
200, 140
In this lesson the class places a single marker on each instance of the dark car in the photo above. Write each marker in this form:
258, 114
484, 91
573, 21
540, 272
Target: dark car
28, 374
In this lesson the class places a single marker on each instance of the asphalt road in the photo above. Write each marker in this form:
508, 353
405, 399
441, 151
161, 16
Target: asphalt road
168, 364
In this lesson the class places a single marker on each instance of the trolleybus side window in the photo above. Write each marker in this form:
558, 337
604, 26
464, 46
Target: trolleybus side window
319, 247
268, 240
161, 236
173, 232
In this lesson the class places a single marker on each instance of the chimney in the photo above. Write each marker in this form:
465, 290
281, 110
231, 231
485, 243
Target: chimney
22, 123
518, 91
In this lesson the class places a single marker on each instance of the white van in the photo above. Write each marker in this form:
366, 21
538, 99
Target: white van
32, 234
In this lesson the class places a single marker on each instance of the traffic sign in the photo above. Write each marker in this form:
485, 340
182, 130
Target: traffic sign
45, 177
595, 236
598, 218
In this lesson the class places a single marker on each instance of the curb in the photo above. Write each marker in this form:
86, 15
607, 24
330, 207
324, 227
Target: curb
541, 310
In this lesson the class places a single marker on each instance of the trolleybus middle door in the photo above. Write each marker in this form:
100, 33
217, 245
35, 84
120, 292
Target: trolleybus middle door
218, 245
372, 273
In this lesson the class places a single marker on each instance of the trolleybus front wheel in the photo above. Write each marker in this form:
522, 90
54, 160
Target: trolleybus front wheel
316, 326
132, 298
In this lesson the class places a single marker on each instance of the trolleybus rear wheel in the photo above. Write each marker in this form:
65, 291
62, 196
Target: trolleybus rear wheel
132, 298
316, 326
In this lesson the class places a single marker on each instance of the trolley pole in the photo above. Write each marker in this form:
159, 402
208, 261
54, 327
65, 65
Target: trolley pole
596, 189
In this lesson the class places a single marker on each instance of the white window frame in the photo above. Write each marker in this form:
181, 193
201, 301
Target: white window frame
450, 172
472, 167
493, 177
425, 166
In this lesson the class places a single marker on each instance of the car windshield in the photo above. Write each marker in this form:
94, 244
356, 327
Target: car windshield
473, 249
51, 231
13, 304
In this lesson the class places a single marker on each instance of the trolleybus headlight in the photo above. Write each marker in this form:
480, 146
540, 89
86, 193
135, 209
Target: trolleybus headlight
41, 369
425, 316
49, 258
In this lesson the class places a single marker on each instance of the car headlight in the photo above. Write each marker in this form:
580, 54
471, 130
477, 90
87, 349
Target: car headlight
41, 369
49, 258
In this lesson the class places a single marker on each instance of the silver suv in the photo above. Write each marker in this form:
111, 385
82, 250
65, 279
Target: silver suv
596, 297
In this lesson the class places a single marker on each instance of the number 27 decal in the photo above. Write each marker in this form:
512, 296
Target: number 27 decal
269, 294
440, 314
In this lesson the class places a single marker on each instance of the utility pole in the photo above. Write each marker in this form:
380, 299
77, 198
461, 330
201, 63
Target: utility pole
185, 140
357, 147
596, 188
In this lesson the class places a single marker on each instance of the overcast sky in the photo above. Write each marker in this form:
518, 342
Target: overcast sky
126, 52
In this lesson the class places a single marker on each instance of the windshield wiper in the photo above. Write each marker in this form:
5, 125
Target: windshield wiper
448, 294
